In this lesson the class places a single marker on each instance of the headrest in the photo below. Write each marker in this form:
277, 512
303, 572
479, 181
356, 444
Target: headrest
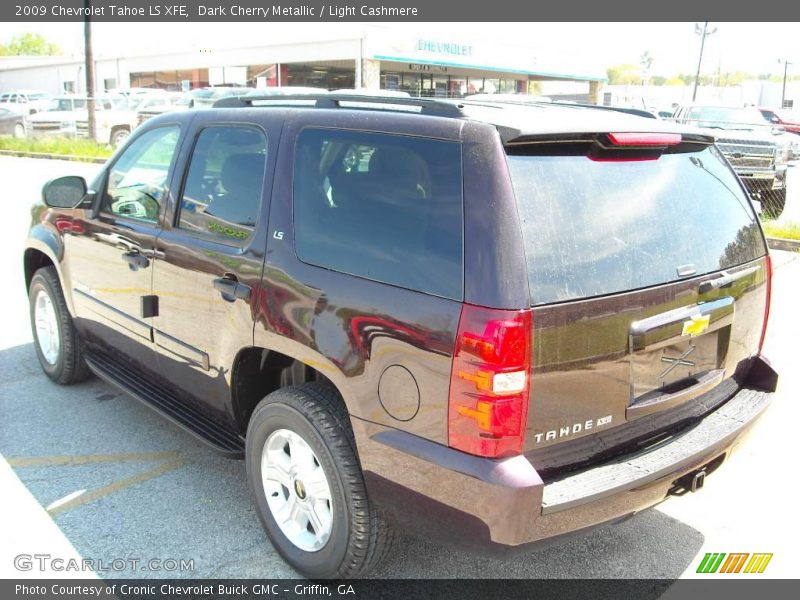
400, 168
242, 174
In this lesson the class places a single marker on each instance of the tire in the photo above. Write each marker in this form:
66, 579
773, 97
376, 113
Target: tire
118, 137
358, 536
19, 131
774, 203
60, 351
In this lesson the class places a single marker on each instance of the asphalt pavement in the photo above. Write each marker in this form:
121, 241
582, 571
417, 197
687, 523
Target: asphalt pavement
87, 472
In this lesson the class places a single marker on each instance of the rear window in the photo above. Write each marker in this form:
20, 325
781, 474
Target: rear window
384, 207
592, 228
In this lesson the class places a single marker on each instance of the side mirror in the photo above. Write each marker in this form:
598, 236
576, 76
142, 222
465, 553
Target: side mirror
64, 192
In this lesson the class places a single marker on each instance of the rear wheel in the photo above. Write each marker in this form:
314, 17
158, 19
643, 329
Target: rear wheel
58, 345
308, 487
19, 130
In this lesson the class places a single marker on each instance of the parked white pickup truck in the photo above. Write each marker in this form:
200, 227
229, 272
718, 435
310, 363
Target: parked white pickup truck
68, 116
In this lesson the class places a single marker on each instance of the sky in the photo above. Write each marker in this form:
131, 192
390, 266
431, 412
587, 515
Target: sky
750, 47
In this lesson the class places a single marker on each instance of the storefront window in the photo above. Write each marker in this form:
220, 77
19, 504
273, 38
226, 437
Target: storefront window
180, 80
329, 78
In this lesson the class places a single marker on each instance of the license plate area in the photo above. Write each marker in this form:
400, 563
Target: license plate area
675, 366
678, 355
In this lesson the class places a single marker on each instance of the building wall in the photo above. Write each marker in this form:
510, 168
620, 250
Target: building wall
368, 56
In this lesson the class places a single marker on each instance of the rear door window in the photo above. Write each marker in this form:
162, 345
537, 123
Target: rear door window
384, 207
594, 228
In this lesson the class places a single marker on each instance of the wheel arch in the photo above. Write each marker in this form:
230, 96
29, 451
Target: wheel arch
258, 371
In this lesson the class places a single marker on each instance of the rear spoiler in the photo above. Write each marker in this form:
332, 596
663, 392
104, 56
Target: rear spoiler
512, 137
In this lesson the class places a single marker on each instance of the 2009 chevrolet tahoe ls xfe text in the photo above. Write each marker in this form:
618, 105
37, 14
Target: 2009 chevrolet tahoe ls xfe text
490, 323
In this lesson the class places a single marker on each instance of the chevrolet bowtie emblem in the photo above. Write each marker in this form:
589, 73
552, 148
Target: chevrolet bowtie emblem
696, 325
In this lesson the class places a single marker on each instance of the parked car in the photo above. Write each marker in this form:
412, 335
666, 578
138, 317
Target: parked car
789, 120
485, 323
513, 98
68, 116
362, 92
759, 152
12, 123
206, 97
286, 90
152, 107
24, 102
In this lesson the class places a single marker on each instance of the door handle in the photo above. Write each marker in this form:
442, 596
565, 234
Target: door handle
231, 290
136, 260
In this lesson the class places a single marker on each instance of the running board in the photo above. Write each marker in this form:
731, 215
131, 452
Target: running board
167, 404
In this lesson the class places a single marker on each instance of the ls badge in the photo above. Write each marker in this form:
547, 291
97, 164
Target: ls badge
696, 325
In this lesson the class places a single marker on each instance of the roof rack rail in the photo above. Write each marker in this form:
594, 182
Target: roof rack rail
427, 106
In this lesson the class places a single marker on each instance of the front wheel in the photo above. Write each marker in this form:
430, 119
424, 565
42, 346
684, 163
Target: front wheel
118, 137
305, 477
19, 131
57, 343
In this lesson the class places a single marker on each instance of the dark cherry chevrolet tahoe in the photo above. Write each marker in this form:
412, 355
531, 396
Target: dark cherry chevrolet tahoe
486, 322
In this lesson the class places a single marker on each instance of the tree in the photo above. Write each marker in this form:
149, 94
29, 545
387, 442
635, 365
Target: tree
29, 44
676, 80
624, 74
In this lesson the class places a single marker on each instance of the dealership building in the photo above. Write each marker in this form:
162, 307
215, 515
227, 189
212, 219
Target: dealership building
422, 65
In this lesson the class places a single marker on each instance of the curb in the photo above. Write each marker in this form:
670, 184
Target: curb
50, 156
783, 244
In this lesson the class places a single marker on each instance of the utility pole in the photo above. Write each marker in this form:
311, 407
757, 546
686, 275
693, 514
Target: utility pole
89, 58
703, 33
786, 64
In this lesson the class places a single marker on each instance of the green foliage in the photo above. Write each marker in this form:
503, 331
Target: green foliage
787, 231
631, 74
29, 44
75, 148
624, 74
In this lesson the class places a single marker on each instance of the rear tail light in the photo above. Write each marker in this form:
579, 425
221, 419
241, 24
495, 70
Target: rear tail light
768, 302
490, 381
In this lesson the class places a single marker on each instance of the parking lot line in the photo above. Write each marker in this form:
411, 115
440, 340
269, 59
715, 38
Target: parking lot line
117, 486
67, 460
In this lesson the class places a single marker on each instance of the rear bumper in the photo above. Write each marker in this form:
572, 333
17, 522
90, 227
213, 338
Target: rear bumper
500, 505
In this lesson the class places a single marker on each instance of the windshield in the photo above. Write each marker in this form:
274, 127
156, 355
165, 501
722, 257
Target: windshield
67, 104
593, 228
722, 116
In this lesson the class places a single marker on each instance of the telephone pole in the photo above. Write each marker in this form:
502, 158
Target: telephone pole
89, 58
703, 33
786, 64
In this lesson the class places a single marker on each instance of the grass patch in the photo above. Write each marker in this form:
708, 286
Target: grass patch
787, 231
57, 145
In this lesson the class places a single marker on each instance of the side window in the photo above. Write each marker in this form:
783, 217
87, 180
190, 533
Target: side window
384, 207
137, 182
222, 193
